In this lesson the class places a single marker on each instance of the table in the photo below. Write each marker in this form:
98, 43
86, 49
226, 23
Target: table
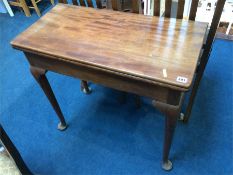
148, 56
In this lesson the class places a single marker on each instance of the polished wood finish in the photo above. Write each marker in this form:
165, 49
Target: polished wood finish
84, 84
12, 150
116, 5
145, 59
164, 41
105, 77
207, 41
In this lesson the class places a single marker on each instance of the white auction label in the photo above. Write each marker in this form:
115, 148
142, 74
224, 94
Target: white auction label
182, 79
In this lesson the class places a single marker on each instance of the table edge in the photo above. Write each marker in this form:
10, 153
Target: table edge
161, 83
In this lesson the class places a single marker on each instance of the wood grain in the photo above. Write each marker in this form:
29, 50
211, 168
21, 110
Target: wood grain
118, 81
143, 48
129, 52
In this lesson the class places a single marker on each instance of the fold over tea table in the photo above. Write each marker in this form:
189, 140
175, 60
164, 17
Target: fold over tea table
149, 56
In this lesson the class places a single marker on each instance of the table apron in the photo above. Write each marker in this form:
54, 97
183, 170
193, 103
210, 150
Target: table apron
110, 79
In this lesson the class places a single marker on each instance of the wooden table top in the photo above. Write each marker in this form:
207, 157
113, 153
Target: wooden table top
152, 48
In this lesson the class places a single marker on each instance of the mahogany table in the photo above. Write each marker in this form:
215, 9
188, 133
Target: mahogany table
148, 56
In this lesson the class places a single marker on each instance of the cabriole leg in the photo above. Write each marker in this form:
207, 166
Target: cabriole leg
39, 75
171, 113
170, 125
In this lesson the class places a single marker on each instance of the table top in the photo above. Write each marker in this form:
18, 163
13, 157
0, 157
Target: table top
152, 48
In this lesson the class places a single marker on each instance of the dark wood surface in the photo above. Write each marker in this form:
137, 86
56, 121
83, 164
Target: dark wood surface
128, 52
144, 47
107, 78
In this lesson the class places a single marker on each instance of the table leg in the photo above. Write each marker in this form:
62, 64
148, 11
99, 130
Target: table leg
39, 75
170, 125
171, 113
84, 87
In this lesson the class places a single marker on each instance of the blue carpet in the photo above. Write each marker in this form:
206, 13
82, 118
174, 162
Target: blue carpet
105, 137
